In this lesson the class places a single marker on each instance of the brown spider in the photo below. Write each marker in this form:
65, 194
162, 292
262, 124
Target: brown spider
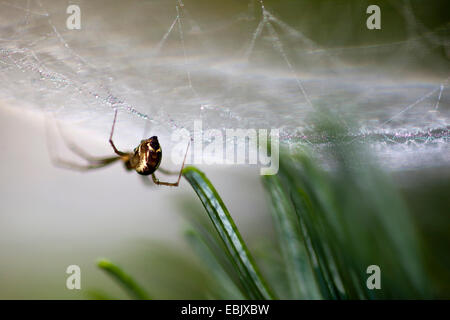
145, 158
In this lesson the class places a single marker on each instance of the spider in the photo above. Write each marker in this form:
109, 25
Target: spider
145, 158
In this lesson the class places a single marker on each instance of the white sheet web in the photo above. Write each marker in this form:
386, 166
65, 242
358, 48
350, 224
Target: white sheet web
233, 66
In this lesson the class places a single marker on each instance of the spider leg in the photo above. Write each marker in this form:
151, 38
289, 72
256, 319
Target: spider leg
119, 153
93, 163
83, 167
172, 184
76, 149
163, 183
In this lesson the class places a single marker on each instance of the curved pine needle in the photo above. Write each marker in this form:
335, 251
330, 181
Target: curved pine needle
250, 276
126, 281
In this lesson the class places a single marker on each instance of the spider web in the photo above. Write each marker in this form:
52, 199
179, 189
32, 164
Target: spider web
233, 64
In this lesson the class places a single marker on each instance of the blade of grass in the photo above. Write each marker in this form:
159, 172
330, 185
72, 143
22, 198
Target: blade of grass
353, 218
202, 225
301, 277
126, 281
310, 204
209, 246
225, 226
227, 288
98, 295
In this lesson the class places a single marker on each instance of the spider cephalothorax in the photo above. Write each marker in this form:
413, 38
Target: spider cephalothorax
147, 156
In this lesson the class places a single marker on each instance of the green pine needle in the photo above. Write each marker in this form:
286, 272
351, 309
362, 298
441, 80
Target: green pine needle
126, 281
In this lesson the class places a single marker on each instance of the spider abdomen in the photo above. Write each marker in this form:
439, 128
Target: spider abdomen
147, 156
